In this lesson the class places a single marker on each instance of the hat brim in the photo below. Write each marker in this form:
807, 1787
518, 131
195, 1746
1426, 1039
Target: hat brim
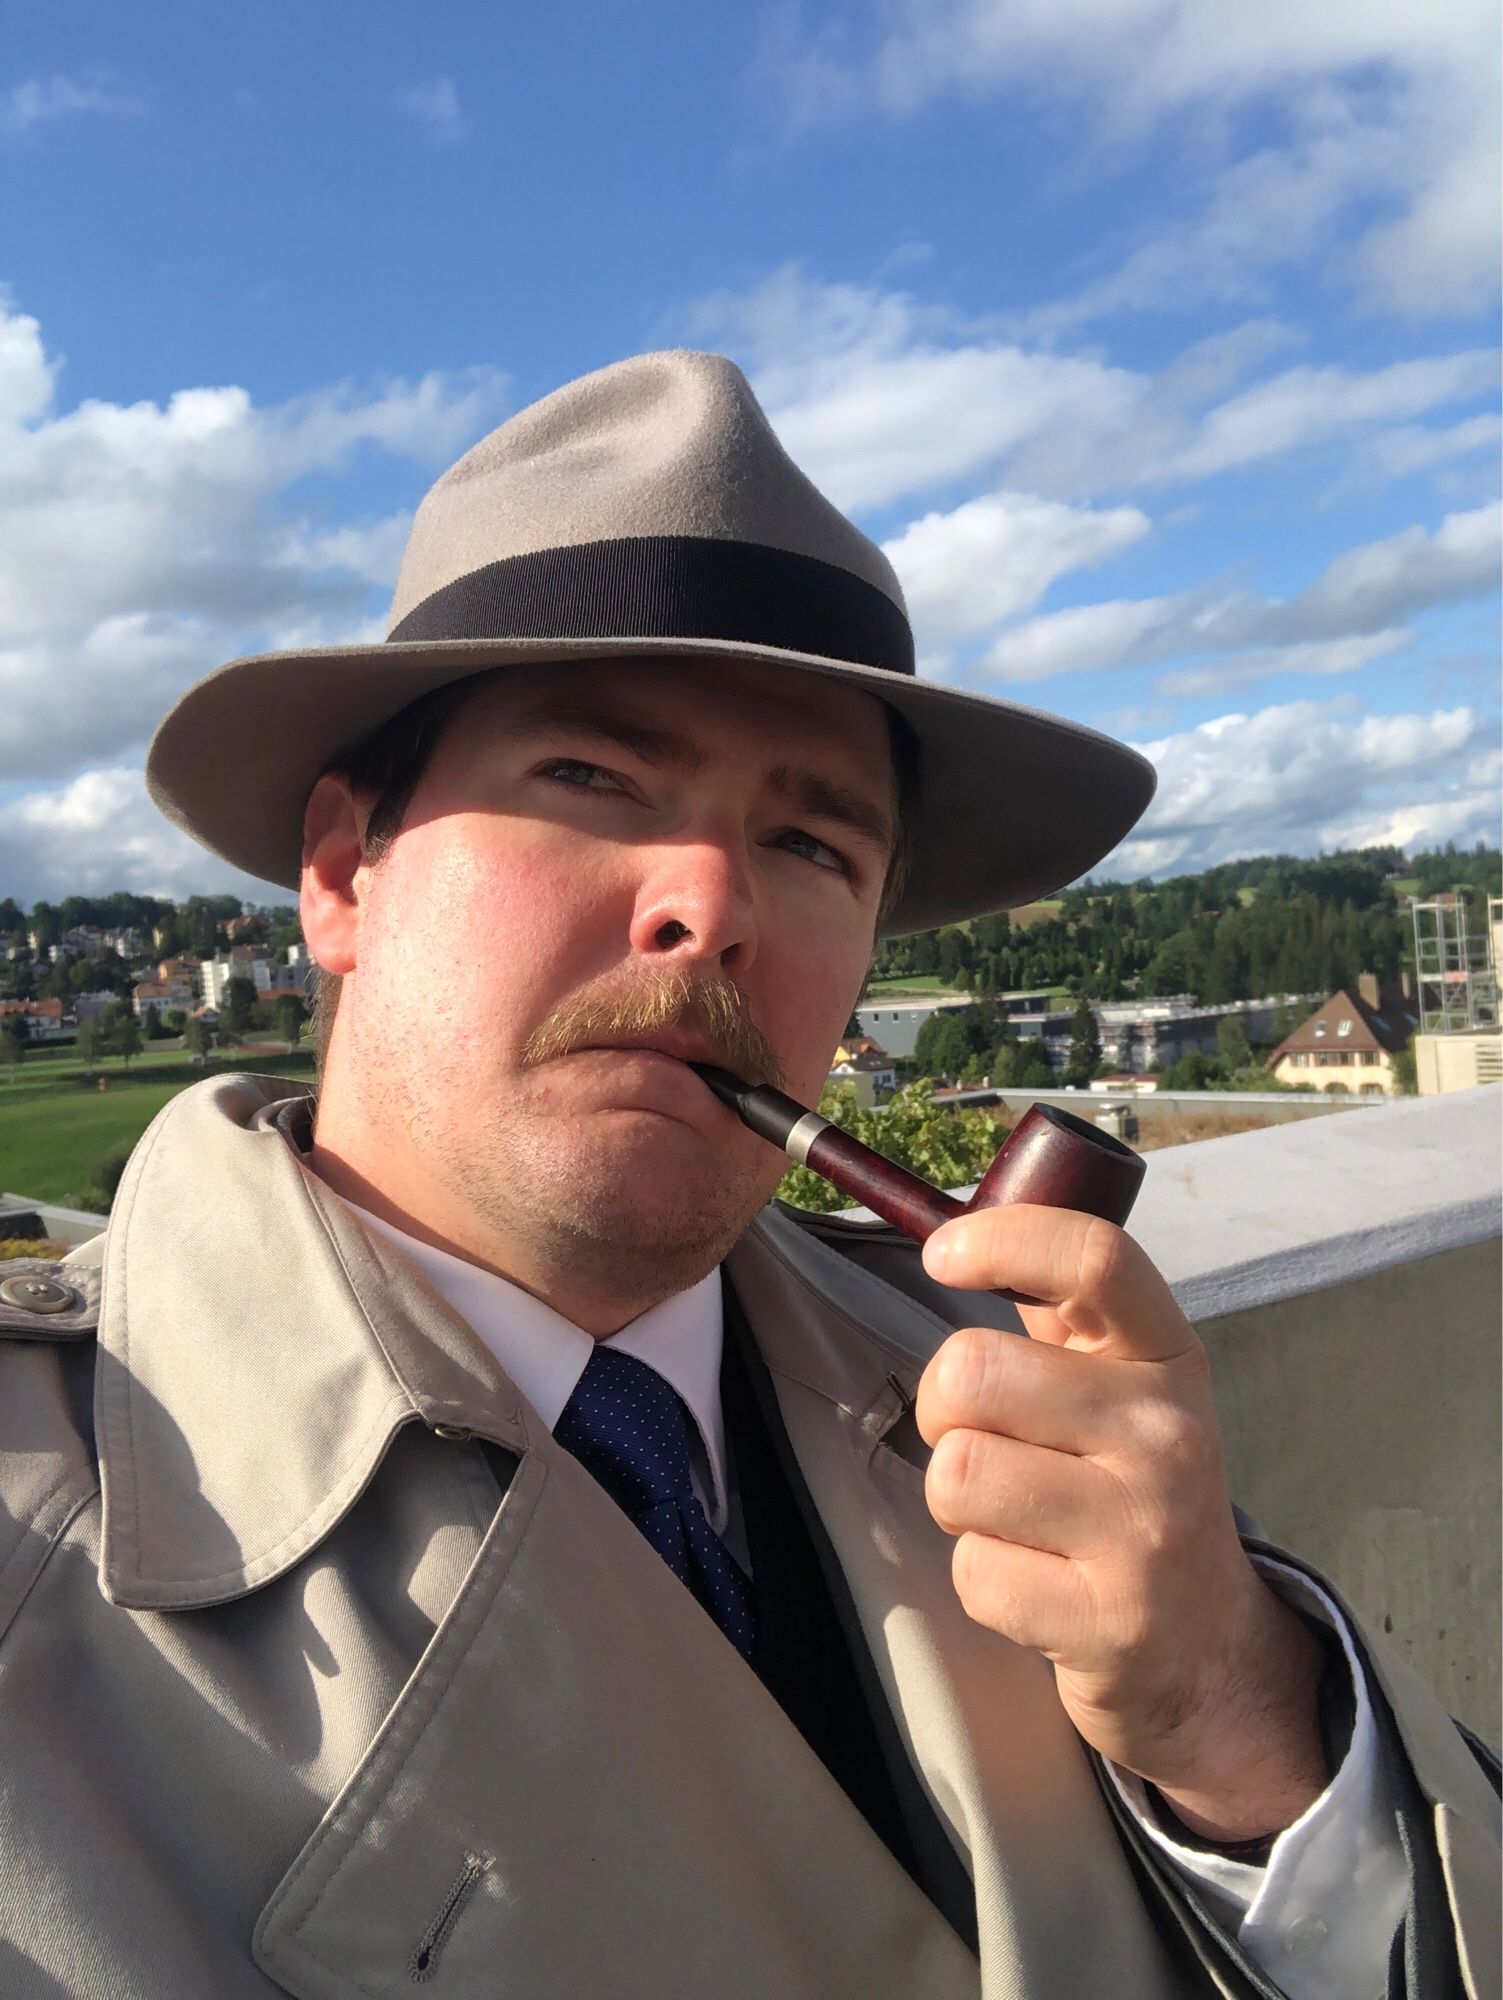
1014, 802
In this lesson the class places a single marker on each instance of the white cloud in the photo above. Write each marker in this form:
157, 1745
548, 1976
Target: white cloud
996, 556
1132, 721
26, 374
1411, 448
908, 423
142, 545
37, 99
435, 106
1306, 656
1372, 586
1464, 817
1385, 116
1305, 775
101, 832
1122, 632
879, 397
1305, 406
1366, 591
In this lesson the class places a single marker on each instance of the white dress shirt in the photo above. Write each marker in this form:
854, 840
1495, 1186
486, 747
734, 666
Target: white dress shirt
1318, 1918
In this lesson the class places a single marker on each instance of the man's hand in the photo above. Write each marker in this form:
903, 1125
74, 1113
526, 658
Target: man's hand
1081, 1471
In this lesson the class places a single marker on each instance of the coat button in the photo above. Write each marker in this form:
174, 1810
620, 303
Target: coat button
456, 1432
1305, 1938
37, 1295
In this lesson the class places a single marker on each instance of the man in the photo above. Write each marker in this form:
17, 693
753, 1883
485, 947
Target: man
459, 1535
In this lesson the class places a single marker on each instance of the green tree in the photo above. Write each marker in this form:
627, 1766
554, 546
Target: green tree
198, 1037
106, 1177
1035, 1070
954, 951
14, 1034
1085, 1047
1232, 1049
289, 1014
941, 1047
124, 1033
89, 1041
1405, 1074
238, 1007
1193, 1071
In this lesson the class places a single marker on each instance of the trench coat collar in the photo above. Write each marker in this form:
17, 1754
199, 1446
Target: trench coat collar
259, 1349
258, 1352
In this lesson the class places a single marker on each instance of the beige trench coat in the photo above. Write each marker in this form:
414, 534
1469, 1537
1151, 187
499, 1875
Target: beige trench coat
292, 1702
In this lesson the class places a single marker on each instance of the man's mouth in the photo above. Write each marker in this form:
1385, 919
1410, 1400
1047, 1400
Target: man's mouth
681, 1048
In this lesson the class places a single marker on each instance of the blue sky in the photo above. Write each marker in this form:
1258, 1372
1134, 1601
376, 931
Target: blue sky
1157, 342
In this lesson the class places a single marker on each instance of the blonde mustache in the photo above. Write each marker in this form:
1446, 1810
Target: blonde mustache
714, 1009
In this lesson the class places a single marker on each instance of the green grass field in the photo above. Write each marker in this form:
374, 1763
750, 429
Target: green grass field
916, 987
56, 1125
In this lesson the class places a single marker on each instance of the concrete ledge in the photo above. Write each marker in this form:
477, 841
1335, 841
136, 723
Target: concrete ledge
63, 1225
1265, 1216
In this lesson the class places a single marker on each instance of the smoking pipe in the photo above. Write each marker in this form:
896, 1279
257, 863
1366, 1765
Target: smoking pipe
1050, 1157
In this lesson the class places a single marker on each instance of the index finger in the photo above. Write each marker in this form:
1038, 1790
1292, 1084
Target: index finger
1095, 1278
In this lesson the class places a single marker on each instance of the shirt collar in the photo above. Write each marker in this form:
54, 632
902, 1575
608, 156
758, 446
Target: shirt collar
545, 1354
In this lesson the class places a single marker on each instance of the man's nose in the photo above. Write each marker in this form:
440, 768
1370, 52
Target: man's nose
696, 906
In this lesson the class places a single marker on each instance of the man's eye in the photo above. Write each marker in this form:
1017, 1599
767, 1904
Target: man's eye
582, 776
818, 851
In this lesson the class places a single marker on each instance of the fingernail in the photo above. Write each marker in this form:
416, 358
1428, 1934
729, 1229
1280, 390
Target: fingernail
938, 1257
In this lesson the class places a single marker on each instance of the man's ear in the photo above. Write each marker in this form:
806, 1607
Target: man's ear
334, 874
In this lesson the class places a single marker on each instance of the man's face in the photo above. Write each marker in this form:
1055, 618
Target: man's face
581, 836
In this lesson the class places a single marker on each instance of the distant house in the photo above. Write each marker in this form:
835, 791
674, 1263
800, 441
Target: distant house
239, 962
1347, 1045
44, 1018
272, 979
150, 1000
82, 941
871, 1072
180, 978
858, 1045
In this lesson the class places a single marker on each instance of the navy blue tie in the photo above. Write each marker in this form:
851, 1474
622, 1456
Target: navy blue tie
630, 1429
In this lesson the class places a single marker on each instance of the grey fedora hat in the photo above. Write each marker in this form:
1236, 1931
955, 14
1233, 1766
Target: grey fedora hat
648, 511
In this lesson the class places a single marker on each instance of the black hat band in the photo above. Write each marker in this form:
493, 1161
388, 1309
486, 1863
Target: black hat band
670, 587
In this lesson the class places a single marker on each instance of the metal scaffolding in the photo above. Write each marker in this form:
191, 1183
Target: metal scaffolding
1456, 968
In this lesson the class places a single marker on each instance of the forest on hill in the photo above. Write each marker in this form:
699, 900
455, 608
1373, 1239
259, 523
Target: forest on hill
1240, 931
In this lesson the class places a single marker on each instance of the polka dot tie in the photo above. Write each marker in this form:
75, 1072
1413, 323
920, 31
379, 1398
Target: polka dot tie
631, 1430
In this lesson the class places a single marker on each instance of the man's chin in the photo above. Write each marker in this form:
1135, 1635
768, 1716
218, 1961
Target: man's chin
655, 1202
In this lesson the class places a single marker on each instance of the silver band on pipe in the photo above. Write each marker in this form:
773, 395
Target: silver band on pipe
803, 1135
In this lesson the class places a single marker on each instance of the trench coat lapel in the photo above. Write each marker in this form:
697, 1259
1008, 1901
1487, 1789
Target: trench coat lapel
584, 1789
979, 1716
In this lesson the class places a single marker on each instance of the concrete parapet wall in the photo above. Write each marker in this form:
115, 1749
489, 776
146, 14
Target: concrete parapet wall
1345, 1276
1362, 1429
